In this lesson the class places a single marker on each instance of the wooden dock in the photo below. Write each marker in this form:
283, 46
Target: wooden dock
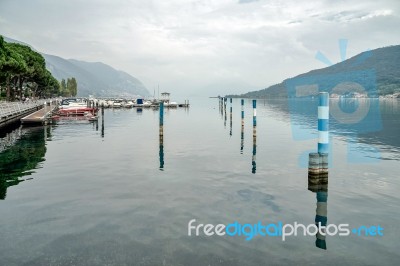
40, 116
12, 112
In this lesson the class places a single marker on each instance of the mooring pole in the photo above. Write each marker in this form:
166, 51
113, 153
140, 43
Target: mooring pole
253, 159
318, 170
102, 120
230, 118
242, 126
323, 123
161, 143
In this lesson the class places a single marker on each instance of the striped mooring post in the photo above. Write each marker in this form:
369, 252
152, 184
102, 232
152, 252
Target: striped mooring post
254, 113
242, 126
242, 106
102, 120
321, 218
230, 118
161, 113
318, 162
161, 131
253, 158
323, 123
323, 134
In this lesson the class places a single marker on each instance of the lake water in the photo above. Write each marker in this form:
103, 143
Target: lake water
78, 193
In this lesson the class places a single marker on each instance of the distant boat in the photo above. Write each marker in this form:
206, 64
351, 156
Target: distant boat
117, 104
171, 104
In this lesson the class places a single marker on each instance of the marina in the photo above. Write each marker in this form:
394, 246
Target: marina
41, 111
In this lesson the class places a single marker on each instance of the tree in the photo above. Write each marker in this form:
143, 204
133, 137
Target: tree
22, 69
12, 65
72, 86
63, 88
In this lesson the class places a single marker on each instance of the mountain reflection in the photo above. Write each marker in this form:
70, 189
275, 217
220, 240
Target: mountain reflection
23, 150
380, 127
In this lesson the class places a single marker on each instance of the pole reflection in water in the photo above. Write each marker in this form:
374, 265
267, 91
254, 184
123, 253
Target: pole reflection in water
102, 121
161, 140
221, 107
97, 124
253, 158
242, 126
230, 117
225, 112
22, 156
318, 183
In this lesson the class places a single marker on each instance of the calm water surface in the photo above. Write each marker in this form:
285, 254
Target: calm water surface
74, 193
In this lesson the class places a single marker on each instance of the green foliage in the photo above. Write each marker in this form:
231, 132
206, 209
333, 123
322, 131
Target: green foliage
21, 159
72, 87
23, 72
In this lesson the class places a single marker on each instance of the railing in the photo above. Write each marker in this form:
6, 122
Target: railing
14, 108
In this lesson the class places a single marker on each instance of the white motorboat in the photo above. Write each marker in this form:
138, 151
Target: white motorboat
75, 103
117, 104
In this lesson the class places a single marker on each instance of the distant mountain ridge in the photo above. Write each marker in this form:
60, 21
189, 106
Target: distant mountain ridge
385, 61
94, 78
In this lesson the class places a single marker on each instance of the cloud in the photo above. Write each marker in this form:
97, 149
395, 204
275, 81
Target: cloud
247, 1
186, 46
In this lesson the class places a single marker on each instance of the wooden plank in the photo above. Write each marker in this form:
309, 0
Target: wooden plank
38, 116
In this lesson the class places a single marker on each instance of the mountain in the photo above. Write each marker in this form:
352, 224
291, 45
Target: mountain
94, 78
383, 62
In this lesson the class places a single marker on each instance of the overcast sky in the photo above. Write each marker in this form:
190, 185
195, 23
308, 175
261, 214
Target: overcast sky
203, 47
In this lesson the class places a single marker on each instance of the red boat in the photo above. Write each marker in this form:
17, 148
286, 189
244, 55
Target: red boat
77, 111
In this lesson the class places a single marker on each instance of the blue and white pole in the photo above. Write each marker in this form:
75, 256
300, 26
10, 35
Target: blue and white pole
102, 120
161, 144
161, 113
323, 123
254, 113
321, 218
242, 104
253, 158
230, 117
242, 127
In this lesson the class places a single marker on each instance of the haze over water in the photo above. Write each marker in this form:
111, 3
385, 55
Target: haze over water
103, 200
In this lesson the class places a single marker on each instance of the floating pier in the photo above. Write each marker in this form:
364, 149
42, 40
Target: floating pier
12, 112
40, 116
